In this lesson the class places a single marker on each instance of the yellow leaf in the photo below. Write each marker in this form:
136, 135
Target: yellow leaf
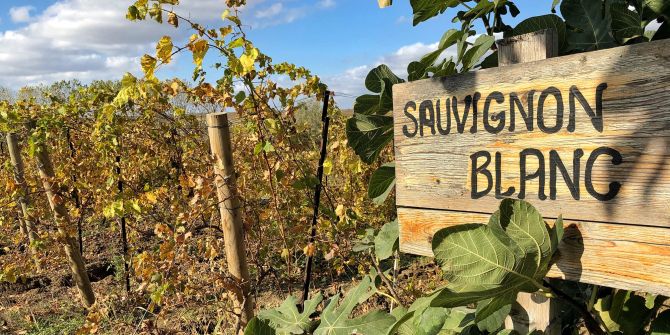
225, 14
328, 167
248, 59
164, 49
339, 211
199, 49
310, 250
173, 20
148, 65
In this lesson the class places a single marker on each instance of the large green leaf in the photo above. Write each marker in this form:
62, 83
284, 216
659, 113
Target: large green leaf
426, 9
387, 240
591, 25
368, 135
478, 49
381, 183
335, 317
509, 255
258, 327
421, 318
377, 78
367, 104
491, 313
286, 319
536, 23
658, 7
626, 23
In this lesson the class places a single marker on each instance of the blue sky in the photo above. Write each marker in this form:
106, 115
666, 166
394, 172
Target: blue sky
339, 40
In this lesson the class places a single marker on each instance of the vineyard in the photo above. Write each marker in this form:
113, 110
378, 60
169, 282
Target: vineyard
252, 203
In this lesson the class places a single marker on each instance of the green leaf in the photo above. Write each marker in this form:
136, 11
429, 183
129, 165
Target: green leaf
491, 313
286, 319
591, 25
258, 327
658, 7
367, 104
537, 23
623, 311
387, 241
236, 43
416, 71
661, 325
554, 3
368, 135
626, 24
426, 9
509, 255
377, 77
474, 54
381, 183
430, 320
335, 317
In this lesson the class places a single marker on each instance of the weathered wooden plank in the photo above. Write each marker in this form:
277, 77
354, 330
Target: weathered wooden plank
435, 170
624, 256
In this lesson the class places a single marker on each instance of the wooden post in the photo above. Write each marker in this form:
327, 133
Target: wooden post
26, 221
55, 194
122, 224
532, 311
230, 209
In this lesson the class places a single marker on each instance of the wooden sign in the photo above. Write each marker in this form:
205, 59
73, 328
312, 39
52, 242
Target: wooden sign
586, 136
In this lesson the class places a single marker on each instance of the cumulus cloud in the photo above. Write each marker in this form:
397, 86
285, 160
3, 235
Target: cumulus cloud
91, 39
20, 14
351, 82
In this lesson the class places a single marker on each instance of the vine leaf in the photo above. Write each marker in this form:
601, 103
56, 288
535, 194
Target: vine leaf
509, 255
335, 317
591, 25
387, 240
286, 319
368, 135
381, 183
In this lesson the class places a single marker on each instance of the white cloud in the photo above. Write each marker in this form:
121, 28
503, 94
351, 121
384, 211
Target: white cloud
270, 12
327, 3
91, 39
352, 81
20, 14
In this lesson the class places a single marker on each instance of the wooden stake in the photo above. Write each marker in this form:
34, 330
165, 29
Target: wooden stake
55, 193
27, 222
230, 209
532, 311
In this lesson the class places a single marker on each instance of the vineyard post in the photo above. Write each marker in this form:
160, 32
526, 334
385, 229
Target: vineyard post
122, 223
230, 209
23, 200
54, 192
533, 310
317, 195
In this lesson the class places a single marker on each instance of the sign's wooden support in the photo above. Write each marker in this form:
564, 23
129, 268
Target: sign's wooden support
532, 310
230, 208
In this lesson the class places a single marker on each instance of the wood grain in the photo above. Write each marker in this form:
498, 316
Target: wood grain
623, 256
434, 171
